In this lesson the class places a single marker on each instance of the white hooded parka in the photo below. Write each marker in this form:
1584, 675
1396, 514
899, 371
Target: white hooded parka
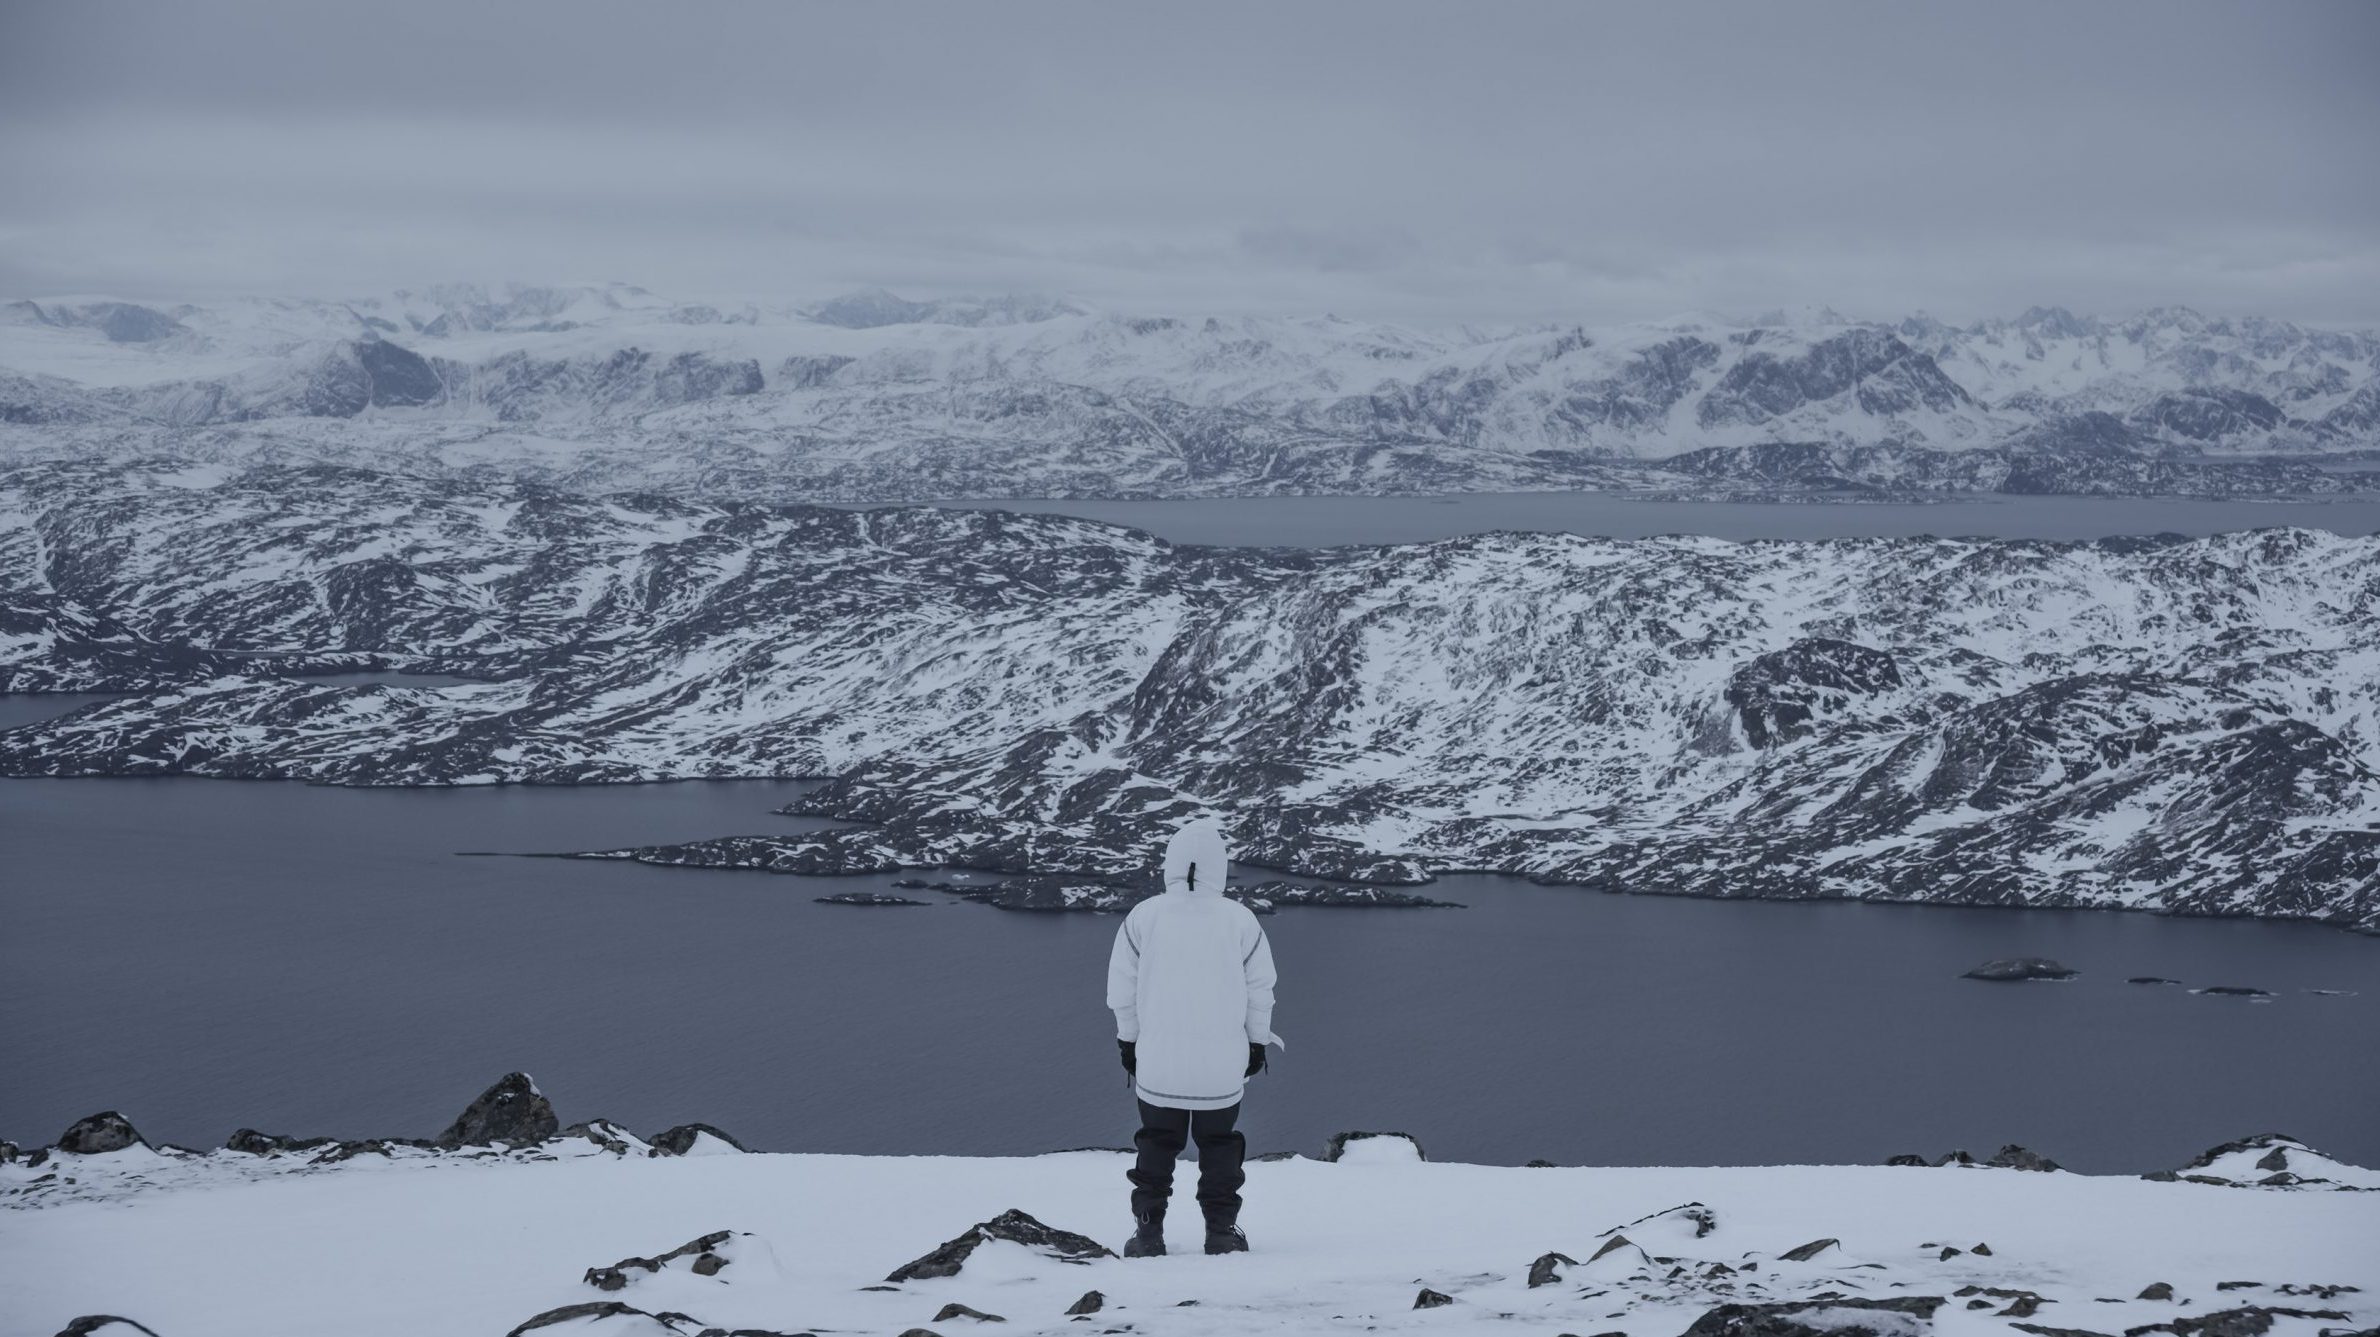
1191, 980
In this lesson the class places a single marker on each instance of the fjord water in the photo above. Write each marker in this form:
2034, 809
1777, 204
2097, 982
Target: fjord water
205, 955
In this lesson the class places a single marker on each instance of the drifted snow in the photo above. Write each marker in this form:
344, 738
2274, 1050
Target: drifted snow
433, 1248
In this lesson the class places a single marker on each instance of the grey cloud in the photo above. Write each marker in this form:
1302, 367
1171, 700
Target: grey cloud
1416, 161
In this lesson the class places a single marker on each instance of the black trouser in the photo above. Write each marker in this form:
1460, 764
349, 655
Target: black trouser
1163, 1134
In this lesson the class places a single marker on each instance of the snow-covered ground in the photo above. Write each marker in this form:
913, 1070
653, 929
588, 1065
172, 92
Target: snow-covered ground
431, 1245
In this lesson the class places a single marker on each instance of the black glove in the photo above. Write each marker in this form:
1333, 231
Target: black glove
1130, 1054
1255, 1059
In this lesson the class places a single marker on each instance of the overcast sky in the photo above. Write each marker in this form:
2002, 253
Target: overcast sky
1455, 161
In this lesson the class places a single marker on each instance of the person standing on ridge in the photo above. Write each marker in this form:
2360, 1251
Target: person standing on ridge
1191, 983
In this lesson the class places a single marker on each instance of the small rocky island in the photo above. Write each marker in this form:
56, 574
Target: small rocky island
2022, 968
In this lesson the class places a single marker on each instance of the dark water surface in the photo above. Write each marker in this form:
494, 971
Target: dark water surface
1315, 522
204, 955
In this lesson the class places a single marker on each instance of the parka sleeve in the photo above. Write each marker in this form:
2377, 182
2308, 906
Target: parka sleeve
1123, 981
1258, 966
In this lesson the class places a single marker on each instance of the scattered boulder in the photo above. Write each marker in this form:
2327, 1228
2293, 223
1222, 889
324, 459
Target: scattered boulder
1340, 1144
104, 1325
1013, 1226
1430, 1299
703, 1254
1900, 1316
10, 1152
2156, 1290
1091, 1303
513, 1112
1948, 1252
1802, 1253
688, 1139
1548, 1269
956, 1310
2234, 991
1981, 1250
1906, 1158
99, 1134
2022, 968
2150, 979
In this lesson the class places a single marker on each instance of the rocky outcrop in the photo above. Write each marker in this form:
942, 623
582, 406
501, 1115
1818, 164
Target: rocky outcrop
1900, 1316
99, 1134
1013, 1226
686, 1138
513, 1111
701, 1257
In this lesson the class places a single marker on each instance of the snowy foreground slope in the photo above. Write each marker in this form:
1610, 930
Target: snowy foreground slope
594, 1231
874, 398
2189, 726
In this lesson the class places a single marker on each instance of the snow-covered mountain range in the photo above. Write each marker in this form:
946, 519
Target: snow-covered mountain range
874, 397
2190, 726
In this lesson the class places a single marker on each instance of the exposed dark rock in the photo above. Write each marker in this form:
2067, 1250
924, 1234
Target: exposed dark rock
1013, 1226
2150, 979
103, 1325
512, 1111
100, 1133
2238, 1285
1430, 1299
1337, 1146
703, 1252
1900, 1316
1981, 1250
2039, 1330
2245, 1321
1780, 695
2234, 991
1802, 1253
587, 1309
2022, 968
1548, 1269
2157, 1290
1091, 1303
265, 1144
680, 1140
956, 1310
866, 898
1906, 1158
1949, 1252
1539, 1165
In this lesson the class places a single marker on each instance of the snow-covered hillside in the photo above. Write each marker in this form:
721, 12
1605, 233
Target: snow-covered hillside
527, 1228
2180, 725
874, 397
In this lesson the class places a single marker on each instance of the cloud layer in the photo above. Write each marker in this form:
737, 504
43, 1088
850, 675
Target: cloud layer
1500, 162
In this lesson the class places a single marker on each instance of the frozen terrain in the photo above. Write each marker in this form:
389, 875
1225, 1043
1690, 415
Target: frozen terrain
2187, 726
508, 1223
870, 397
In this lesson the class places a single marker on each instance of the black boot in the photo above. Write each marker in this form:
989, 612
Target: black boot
1149, 1240
1225, 1237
